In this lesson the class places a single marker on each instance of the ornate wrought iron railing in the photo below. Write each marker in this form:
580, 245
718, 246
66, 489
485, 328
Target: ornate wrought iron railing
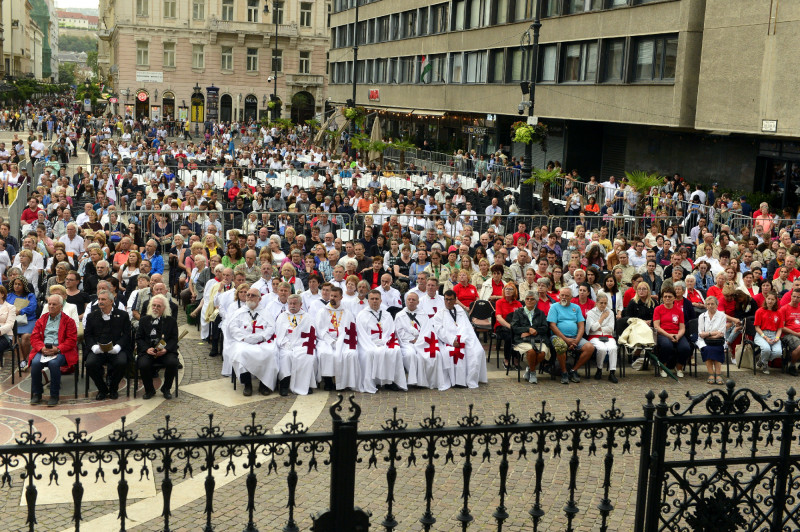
674, 468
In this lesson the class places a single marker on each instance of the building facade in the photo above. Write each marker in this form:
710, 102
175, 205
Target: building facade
688, 86
215, 59
28, 43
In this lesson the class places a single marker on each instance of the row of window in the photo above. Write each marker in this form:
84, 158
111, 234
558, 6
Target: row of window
253, 10
226, 57
624, 60
550, 8
458, 15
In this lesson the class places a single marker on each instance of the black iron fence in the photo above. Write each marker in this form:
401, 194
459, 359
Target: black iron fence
727, 461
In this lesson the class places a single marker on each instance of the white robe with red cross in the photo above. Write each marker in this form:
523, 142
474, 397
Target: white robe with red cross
337, 347
252, 347
378, 351
407, 331
466, 364
296, 338
432, 359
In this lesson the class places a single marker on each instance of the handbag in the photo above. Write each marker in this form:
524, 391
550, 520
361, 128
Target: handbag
744, 356
715, 341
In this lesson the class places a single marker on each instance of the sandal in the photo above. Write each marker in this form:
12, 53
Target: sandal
719, 380
711, 380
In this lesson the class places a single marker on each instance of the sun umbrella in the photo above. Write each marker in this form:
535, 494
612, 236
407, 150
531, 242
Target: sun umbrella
377, 135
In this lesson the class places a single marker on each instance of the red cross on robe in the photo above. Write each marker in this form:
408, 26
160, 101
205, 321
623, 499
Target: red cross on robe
257, 327
392, 341
311, 343
379, 332
434, 313
457, 353
433, 345
351, 336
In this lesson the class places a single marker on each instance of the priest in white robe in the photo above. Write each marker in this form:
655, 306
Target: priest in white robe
296, 337
467, 358
378, 351
252, 350
337, 344
407, 325
281, 303
431, 301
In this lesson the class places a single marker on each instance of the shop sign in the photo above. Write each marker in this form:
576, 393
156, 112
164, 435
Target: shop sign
149, 76
374, 95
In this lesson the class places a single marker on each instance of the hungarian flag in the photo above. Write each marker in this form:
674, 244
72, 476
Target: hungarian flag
425, 70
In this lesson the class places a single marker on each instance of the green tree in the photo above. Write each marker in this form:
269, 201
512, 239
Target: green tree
642, 182
547, 178
66, 73
402, 146
76, 43
91, 60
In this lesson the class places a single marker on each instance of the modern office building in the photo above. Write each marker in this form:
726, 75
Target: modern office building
214, 59
704, 88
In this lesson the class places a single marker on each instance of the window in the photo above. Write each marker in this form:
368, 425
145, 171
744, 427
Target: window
479, 13
169, 54
459, 11
407, 70
550, 8
277, 13
142, 8
305, 14
547, 63
198, 56
382, 29
476, 67
362, 32
361, 72
439, 19
423, 21
170, 9
500, 11
438, 63
582, 6
142, 53
227, 10
252, 59
655, 58
522, 10
515, 64
580, 62
614, 59
198, 9
394, 27
497, 66
380, 70
456, 70
277, 60
409, 24
616, 3
252, 10
227, 58
305, 62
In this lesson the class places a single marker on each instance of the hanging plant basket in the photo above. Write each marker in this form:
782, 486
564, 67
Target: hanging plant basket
355, 114
528, 134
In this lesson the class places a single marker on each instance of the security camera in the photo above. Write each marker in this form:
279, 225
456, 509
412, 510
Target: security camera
521, 108
269, 79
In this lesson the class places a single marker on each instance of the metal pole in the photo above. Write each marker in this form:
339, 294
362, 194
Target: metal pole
2, 41
526, 191
275, 65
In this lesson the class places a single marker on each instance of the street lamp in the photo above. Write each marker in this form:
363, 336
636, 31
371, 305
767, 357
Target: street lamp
276, 111
530, 44
352, 102
196, 124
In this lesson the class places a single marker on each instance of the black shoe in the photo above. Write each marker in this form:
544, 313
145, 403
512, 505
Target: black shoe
213, 354
113, 395
393, 387
598, 374
36, 399
329, 386
263, 390
284, 386
573, 376
167, 395
248, 390
564, 378
505, 365
53, 401
613, 378
100, 396
148, 395
792, 370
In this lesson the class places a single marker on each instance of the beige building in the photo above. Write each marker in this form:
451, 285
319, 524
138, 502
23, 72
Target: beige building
704, 88
23, 39
213, 59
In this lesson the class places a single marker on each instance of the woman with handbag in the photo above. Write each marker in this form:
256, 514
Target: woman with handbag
711, 339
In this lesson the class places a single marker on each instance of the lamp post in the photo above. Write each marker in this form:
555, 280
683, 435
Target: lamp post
196, 124
529, 41
276, 110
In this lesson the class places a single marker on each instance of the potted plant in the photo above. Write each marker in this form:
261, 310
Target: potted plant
528, 134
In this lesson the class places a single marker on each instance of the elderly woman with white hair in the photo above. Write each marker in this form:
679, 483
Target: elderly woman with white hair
600, 329
157, 339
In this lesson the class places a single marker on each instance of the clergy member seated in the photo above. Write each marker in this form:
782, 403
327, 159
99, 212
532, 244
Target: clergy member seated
296, 336
407, 325
337, 348
378, 350
157, 340
252, 348
465, 357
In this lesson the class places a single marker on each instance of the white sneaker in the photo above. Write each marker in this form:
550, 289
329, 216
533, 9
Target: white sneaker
679, 374
733, 362
533, 379
526, 374
663, 373
765, 371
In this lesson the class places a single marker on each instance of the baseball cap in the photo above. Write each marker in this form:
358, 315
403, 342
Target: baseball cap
452, 249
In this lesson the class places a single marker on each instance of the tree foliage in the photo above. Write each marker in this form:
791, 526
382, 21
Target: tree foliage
76, 43
643, 182
66, 73
547, 178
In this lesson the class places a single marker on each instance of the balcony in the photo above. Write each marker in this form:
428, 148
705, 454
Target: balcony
305, 80
104, 35
260, 28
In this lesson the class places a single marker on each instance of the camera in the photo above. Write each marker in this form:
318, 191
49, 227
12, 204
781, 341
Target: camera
269, 79
521, 108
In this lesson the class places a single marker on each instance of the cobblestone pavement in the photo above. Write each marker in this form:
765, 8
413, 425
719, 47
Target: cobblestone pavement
205, 392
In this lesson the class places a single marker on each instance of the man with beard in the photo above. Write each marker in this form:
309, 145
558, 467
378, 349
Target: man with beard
296, 337
567, 328
253, 350
157, 339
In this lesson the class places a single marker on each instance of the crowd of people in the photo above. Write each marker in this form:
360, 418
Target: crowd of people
282, 293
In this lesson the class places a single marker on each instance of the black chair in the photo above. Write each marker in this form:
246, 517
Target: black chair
748, 336
691, 337
158, 366
480, 311
14, 348
536, 345
82, 366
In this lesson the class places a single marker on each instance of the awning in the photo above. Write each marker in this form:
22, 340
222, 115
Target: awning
418, 112
394, 110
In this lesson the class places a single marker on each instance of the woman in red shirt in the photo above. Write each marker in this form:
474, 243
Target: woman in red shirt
492, 288
583, 300
668, 321
503, 309
466, 294
769, 323
766, 288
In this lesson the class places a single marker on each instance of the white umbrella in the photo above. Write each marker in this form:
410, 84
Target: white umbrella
377, 134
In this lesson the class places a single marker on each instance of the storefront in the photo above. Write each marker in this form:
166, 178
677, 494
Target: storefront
142, 109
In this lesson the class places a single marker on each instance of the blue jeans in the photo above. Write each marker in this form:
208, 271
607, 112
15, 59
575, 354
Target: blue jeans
55, 374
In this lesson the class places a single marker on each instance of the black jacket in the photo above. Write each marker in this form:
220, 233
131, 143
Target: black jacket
638, 310
120, 327
520, 324
168, 329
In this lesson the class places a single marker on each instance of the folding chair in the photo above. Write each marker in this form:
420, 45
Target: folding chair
14, 348
481, 316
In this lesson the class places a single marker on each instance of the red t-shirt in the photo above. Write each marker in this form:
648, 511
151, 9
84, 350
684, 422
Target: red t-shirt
694, 296
504, 308
466, 294
544, 306
794, 273
28, 215
670, 318
716, 292
759, 299
791, 317
785, 300
769, 320
497, 289
629, 294
586, 307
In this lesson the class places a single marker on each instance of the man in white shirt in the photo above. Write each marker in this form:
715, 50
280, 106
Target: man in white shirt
389, 296
493, 210
637, 255
37, 148
83, 217
610, 187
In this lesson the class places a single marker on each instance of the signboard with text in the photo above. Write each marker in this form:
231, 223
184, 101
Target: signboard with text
149, 76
